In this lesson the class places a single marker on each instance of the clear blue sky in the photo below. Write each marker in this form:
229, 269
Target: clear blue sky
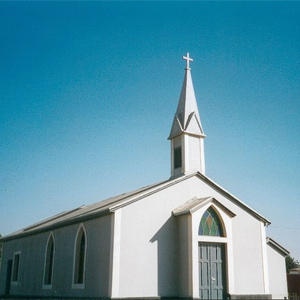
89, 90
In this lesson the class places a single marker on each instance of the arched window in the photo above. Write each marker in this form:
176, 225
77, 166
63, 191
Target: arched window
49, 261
80, 254
210, 224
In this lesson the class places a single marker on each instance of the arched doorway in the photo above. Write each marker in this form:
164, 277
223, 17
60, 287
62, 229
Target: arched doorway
212, 262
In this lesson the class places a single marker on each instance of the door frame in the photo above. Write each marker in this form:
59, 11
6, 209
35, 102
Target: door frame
195, 239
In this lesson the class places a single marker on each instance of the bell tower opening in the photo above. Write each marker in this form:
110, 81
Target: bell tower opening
177, 157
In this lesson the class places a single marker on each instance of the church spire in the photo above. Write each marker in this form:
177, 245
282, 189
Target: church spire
187, 133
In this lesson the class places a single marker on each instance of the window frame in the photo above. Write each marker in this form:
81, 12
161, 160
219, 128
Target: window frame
16, 272
46, 266
76, 260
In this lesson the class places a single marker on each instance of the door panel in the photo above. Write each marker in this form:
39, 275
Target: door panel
211, 271
204, 278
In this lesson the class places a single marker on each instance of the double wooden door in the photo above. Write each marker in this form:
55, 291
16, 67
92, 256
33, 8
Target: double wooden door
212, 268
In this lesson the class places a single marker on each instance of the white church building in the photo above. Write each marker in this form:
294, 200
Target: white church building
183, 238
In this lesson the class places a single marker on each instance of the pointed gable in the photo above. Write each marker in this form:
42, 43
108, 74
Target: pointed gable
194, 204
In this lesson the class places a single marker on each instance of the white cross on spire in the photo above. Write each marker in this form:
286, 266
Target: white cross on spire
188, 59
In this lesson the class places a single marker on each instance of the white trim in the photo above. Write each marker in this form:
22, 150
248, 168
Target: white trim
191, 256
49, 286
264, 258
115, 254
202, 157
277, 246
229, 256
172, 159
111, 257
13, 267
79, 285
185, 154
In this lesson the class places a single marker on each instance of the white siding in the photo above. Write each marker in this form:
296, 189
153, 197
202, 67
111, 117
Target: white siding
150, 245
277, 273
30, 282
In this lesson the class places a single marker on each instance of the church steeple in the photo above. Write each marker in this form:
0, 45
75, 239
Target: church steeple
187, 135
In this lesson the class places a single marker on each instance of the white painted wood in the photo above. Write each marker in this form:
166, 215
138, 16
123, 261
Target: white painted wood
277, 273
264, 258
187, 124
187, 59
115, 253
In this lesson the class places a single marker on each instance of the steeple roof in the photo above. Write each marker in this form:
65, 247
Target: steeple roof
187, 118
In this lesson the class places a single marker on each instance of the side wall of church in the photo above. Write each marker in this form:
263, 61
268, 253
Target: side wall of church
152, 244
277, 274
248, 239
32, 251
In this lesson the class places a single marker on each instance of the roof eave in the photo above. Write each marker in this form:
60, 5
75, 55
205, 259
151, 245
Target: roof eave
235, 199
188, 133
78, 219
277, 246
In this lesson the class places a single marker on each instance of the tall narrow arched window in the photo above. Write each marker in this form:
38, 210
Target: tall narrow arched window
49, 260
210, 224
80, 255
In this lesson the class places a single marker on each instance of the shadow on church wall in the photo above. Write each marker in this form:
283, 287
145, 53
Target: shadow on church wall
167, 258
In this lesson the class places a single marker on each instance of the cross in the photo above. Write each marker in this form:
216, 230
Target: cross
188, 59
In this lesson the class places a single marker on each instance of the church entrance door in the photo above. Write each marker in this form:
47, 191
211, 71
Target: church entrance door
212, 274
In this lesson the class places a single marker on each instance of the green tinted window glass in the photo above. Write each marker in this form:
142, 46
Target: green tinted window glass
210, 224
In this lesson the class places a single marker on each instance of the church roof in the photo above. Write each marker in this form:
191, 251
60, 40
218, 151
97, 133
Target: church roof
277, 247
187, 118
87, 212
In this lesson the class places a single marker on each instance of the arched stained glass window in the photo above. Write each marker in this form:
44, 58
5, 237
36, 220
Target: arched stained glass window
80, 253
210, 224
49, 260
